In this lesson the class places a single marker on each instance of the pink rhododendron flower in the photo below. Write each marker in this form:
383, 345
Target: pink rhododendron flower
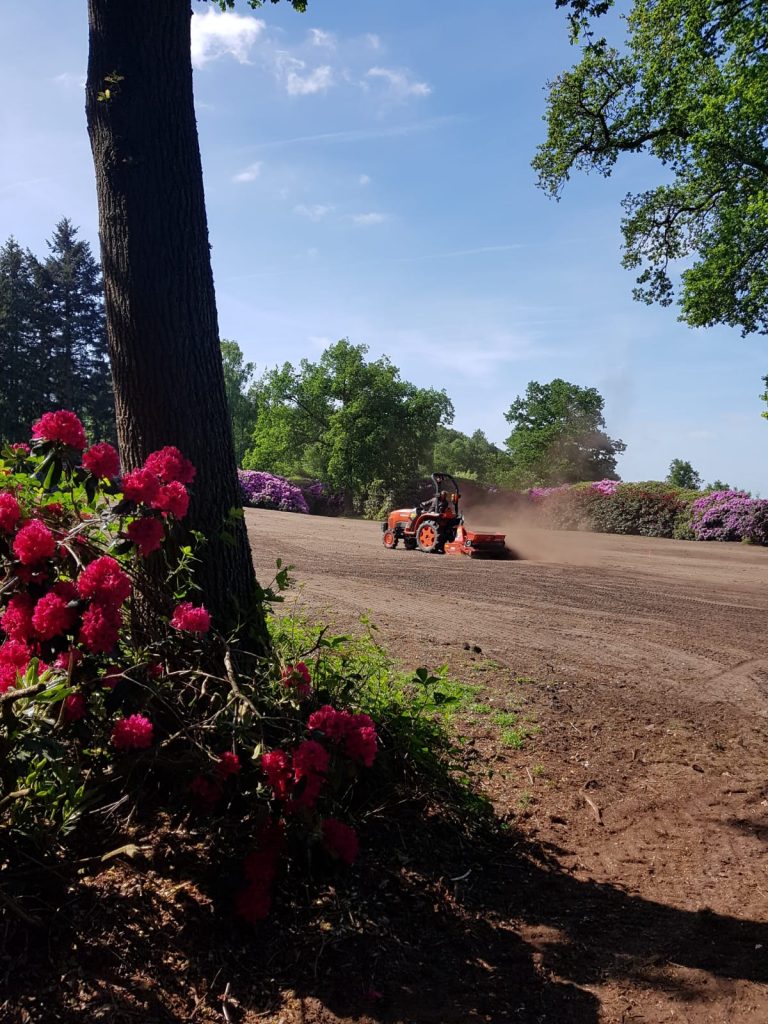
229, 764
104, 581
52, 616
100, 629
362, 745
190, 619
34, 542
332, 723
67, 658
173, 498
74, 707
102, 460
310, 757
275, 766
10, 512
340, 840
357, 732
60, 426
147, 534
17, 619
54, 509
21, 448
170, 465
14, 658
298, 678
141, 485
132, 733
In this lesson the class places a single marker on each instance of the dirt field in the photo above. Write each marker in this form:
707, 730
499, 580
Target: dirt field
644, 667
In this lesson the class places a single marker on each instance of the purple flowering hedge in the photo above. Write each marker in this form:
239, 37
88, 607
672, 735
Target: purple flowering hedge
730, 515
652, 509
264, 490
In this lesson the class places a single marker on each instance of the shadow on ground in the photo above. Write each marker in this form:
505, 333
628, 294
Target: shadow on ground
428, 930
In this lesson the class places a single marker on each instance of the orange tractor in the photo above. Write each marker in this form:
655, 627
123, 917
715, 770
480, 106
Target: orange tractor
437, 526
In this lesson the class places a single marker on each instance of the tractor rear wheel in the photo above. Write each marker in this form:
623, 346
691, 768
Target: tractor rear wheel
429, 537
390, 540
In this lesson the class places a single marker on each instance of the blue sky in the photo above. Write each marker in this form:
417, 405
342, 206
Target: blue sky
367, 170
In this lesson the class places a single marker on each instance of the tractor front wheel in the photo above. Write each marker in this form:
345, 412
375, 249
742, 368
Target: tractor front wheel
390, 540
429, 537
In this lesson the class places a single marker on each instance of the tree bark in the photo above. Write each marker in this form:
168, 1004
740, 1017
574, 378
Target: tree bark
160, 303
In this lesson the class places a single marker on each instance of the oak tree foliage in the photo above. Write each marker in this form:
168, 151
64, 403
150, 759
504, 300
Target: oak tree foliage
688, 85
559, 436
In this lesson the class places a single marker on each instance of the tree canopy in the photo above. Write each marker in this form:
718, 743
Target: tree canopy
471, 455
241, 399
53, 336
558, 435
682, 474
343, 419
688, 86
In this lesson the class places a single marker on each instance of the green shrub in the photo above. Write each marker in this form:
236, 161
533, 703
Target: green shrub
634, 510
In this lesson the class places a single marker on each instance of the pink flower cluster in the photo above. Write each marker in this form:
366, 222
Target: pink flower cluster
106, 586
62, 427
297, 677
34, 543
188, 618
102, 461
297, 779
355, 733
605, 486
158, 488
207, 790
133, 733
10, 512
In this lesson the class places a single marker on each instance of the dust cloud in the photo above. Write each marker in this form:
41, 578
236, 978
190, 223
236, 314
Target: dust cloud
525, 537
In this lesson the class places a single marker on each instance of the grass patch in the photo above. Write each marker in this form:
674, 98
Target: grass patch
414, 711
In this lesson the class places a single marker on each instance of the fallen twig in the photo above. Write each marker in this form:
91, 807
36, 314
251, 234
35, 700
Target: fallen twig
598, 813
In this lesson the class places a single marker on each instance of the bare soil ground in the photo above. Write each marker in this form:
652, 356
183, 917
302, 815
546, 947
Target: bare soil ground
642, 800
619, 726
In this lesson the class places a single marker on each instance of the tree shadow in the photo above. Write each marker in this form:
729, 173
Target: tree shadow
427, 929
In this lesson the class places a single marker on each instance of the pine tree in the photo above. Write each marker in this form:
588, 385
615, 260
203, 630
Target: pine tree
73, 331
20, 392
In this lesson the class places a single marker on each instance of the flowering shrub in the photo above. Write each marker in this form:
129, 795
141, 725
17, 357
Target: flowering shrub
263, 490
730, 515
605, 486
93, 709
539, 494
320, 499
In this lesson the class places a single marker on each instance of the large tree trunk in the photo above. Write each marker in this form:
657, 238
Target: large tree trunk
160, 303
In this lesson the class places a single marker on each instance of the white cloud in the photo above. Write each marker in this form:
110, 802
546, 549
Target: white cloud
297, 80
363, 180
373, 41
400, 83
216, 34
306, 85
369, 219
249, 173
315, 213
320, 37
